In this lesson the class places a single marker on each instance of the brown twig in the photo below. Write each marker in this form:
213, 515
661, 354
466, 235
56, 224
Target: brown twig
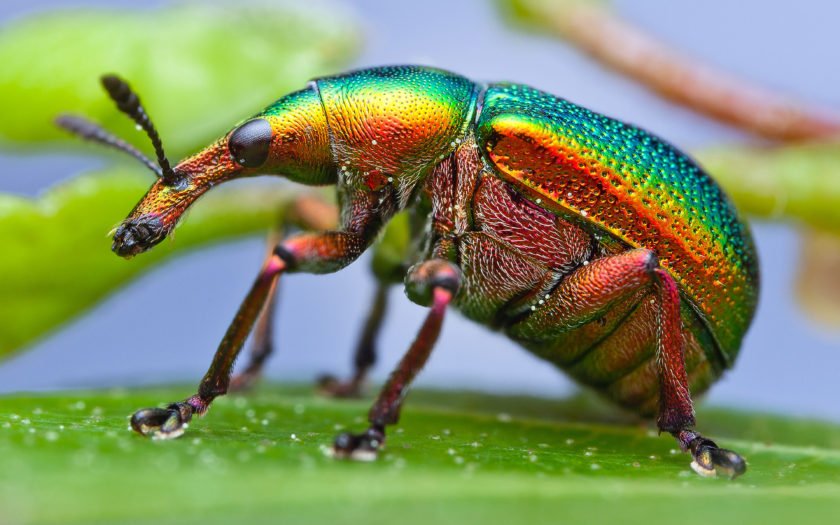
678, 77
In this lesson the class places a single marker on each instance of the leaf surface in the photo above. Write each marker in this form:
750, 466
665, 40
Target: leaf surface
457, 458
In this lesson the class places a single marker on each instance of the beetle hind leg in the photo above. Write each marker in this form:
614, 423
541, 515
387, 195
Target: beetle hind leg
602, 285
676, 412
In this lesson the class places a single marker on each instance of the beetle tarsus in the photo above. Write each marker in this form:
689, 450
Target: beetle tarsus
360, 447
163, 423
709, 460
333, 387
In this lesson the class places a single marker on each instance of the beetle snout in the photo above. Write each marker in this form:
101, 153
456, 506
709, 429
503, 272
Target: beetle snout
138, 235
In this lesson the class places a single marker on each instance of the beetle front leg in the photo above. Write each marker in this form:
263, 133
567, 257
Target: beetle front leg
437, 282
262, 345
261, 348
313, 253
172, 421
307, 212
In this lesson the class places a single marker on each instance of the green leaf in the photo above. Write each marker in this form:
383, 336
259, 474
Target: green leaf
798, 182
58, 251
199, 67
457, 458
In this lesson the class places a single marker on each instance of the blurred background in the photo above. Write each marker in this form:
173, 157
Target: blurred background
164, 325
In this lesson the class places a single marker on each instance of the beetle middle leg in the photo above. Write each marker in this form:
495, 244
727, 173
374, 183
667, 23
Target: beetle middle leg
590, 291
364, 356
435, 281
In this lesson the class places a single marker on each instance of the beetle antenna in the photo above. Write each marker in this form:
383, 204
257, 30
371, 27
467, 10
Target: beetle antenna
95, 133
129, 103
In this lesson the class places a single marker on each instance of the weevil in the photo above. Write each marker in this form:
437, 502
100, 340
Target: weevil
590, 242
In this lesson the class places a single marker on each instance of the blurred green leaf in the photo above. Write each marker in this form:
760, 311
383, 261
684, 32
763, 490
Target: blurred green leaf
56, 250
798, 182
199, 67
456, 458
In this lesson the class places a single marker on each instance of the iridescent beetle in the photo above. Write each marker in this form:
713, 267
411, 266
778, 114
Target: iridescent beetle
595, 245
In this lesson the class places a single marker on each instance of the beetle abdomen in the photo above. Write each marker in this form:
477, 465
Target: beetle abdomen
615, 353
628, 183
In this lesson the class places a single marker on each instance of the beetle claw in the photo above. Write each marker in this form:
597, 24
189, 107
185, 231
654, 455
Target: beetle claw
711, 461
162, 423
359, 447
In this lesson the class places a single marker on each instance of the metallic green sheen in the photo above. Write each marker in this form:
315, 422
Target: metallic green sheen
633, 186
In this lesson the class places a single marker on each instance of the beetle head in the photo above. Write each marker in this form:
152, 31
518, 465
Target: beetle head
289, 138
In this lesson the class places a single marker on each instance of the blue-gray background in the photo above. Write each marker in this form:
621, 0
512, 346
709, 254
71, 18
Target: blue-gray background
787, 363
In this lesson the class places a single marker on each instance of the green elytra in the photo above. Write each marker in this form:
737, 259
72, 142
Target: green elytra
594, 244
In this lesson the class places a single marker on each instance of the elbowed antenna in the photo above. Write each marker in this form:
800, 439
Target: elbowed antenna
128, 102
95, 133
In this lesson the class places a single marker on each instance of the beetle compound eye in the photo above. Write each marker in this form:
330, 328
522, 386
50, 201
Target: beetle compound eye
249, 143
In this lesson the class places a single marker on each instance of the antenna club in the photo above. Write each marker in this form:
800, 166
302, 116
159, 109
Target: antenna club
129, 103
121, 93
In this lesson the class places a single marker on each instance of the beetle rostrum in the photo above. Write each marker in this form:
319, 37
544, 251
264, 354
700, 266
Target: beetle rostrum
597, 246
